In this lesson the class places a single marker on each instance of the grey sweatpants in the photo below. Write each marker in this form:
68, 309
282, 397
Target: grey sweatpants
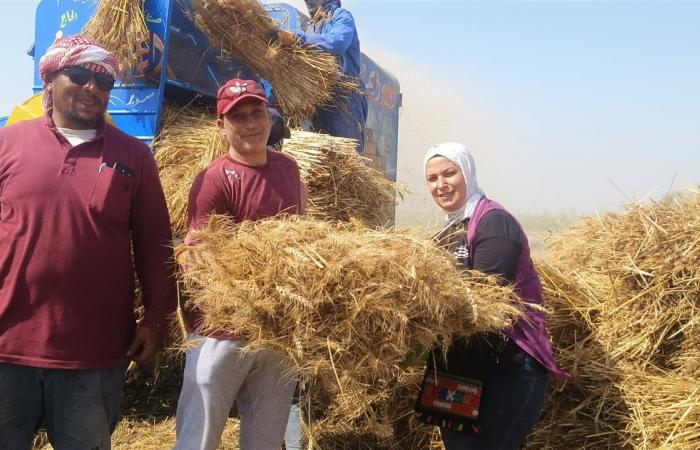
216, 374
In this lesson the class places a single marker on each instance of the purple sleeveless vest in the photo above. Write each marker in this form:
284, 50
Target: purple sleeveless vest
528, 333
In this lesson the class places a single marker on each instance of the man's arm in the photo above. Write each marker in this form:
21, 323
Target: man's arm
153, 257
337, 38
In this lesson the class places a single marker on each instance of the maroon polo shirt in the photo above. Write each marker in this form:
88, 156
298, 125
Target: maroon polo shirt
69, 217
244, 193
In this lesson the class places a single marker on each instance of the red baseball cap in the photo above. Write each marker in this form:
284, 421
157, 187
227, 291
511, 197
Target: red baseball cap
236, 90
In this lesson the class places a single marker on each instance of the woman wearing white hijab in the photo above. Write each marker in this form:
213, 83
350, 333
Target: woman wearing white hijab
511, 368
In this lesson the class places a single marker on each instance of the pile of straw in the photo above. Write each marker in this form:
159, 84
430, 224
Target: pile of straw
302, 77
344, 303
341, 186
385, 419
188, 141
120, 26
624, 291
152, 434
587, 412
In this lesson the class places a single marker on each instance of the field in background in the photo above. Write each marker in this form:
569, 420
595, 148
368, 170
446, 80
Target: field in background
537, 226
541, 226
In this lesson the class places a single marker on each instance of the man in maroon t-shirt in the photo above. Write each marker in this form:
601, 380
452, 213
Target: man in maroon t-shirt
250, 182
76, 197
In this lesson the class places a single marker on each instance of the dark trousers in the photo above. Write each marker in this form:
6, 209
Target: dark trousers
510, 406
80, 408
344, 118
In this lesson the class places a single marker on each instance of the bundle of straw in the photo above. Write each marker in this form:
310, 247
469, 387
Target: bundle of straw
624, 292
120, 26
314, 290
341, 186
302, 77
345, 303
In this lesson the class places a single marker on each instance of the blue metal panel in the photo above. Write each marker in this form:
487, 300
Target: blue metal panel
158, 15
382, 124
288, 17
3, 121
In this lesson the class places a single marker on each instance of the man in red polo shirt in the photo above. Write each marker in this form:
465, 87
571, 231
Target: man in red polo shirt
76, 196
250, 182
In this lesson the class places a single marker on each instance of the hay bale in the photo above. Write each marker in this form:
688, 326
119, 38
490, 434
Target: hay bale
344, 303
624, 292
120, 27
341, 186
302, 77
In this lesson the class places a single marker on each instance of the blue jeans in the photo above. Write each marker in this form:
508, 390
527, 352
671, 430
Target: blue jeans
510, 406
294, 437
80, 408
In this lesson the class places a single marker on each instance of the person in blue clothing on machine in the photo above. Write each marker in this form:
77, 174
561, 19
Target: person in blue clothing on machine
332, 29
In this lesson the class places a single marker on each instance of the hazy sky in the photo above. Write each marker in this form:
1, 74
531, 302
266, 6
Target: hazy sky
566, 106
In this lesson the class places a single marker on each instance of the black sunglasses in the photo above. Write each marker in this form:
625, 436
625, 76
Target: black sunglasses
81, 76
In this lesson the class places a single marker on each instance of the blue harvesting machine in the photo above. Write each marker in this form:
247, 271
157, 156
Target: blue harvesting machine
182, 65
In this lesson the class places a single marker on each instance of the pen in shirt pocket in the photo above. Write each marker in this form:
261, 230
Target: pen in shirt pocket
119, 167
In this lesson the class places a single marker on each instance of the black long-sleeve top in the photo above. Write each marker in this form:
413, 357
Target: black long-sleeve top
497, 245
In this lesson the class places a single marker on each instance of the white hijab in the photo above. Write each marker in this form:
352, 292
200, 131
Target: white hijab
459, 156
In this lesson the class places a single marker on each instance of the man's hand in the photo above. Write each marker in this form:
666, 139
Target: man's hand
145, 345
286, 38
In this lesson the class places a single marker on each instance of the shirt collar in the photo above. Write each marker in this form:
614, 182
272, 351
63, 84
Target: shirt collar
101, 124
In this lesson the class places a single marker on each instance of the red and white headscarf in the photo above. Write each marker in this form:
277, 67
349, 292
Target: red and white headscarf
76, 50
